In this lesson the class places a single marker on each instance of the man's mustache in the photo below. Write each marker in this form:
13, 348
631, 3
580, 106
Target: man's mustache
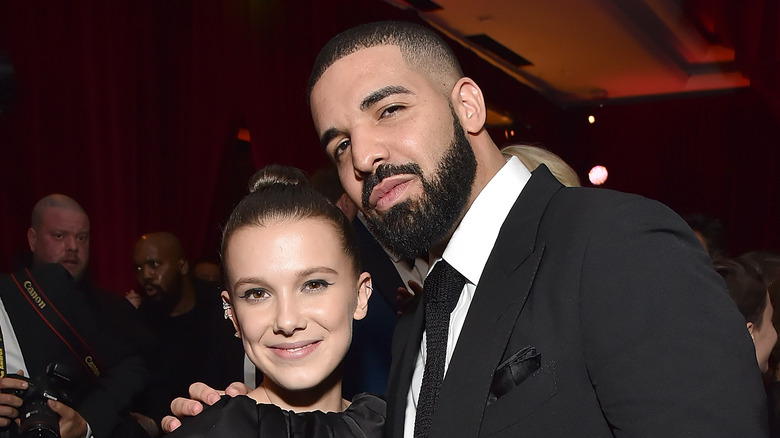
384, 171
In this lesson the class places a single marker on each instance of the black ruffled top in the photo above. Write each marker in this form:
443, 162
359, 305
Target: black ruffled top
243, 417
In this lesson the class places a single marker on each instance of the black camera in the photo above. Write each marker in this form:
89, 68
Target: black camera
37, 419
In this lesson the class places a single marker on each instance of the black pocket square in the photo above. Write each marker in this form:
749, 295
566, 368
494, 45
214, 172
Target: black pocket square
513, 371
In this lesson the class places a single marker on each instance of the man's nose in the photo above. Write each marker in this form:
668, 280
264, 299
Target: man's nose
368, 151
71, 243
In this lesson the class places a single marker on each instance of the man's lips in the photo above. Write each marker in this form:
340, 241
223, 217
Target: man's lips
387, 192
294, 350
150, 290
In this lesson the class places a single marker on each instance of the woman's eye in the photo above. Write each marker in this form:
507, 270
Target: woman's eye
256, 294
316, 285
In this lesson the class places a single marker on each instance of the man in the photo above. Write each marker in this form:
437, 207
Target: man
367, 363
208, 271
35, 336
195, 342
59, 233
585, 312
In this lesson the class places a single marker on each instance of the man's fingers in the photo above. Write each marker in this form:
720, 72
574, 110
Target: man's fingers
169, 423
236, 388
184, 407
9, 400
203, 393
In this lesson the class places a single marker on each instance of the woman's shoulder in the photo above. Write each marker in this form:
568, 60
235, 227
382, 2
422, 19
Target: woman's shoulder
243, 417
364, 418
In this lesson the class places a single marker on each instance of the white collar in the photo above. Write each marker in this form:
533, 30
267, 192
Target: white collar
472, 242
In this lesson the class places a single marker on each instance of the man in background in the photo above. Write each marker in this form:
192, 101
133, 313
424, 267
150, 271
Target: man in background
185, 314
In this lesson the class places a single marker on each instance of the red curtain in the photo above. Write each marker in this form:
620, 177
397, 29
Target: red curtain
132, 108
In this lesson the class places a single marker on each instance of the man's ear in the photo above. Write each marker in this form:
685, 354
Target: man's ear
184, 266
750, 328
32, 238
469, 105
364, 293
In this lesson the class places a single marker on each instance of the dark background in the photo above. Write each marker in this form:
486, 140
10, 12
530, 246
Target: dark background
133, 107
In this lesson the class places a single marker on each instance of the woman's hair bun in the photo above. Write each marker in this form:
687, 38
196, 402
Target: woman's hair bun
276, 174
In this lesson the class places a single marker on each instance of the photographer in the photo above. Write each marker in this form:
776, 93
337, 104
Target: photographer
51, 335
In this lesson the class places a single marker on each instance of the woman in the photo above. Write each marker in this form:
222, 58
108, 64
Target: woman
294, 285
749, 292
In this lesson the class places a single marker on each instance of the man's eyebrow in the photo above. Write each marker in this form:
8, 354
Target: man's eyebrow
328, 135
380, 94
365, 104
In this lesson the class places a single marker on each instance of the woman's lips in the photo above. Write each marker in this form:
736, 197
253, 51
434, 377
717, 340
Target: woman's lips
387, 193
295, 350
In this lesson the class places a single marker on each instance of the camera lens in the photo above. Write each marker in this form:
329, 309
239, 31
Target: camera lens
38, 420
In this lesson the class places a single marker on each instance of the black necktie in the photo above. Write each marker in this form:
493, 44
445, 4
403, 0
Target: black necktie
440, 295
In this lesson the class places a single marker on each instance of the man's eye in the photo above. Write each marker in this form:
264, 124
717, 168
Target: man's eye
389, 111
82, 238
316, 285
340, 148
58, 235
154, 265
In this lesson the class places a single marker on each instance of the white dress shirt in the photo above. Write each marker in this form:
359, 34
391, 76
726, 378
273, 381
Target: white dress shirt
468, 251
14, 360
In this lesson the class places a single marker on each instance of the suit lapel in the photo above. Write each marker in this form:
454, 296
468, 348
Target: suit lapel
499, 298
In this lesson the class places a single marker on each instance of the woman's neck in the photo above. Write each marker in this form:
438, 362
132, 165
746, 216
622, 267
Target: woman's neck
325, 398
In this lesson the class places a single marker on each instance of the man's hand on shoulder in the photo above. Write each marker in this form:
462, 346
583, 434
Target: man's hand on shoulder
201, 394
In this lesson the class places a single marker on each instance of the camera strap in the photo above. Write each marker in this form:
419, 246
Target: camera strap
48, 312
2, 355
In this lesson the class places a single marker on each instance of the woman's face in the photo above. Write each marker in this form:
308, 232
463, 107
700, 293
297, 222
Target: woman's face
294, 294
764, 337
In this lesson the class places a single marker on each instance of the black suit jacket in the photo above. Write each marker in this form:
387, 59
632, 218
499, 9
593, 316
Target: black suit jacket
367, 363
123, 372
598, 314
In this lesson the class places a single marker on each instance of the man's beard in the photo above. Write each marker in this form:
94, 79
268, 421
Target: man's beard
162, 303
411, 227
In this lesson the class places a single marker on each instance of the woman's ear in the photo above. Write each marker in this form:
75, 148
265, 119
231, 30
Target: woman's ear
469, 104
364, 293
226, 304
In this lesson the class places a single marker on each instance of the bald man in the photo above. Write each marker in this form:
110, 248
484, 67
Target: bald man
185, 314
59, 233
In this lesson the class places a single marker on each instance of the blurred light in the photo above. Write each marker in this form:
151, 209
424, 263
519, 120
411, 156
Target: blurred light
591, 119
598, 175
243, 135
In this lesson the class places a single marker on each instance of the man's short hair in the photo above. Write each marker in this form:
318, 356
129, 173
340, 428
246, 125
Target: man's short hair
55, 200
421, 48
